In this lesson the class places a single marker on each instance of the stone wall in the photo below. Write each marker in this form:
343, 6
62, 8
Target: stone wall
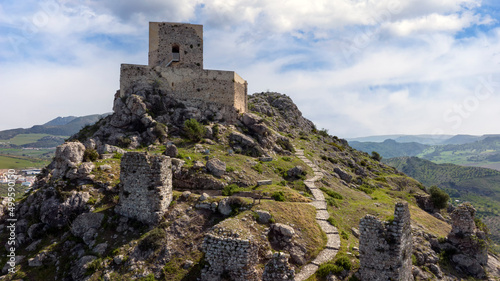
229, 254
225, 88
187, 37
145, 186
385, 247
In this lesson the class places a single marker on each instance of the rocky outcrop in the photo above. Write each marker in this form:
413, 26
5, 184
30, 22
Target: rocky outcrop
466, 245
146, 186
67, 158
385, 249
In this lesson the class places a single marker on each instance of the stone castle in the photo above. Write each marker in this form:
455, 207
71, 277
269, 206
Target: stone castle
175, 69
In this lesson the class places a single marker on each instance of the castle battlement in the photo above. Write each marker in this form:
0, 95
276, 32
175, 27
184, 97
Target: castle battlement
175, 69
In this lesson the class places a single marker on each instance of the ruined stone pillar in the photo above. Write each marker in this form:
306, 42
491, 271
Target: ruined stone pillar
145, 186
385, 247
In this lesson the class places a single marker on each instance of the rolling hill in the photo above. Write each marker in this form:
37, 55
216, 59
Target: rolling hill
480, 186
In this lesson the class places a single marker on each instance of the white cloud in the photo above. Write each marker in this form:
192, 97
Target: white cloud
353, 67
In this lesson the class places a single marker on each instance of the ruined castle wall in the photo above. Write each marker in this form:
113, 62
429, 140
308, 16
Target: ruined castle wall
224, 88
146, 186
386, 248
229, 255
188, 37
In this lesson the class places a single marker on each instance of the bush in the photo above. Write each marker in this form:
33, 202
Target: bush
230, 189
194, 130
344, 262
154, 240
325, 269
438, 197
90, 155
278, 196
344, 235
258, 168
376, 156
323, 132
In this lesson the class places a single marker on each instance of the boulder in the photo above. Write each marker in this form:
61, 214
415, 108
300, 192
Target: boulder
79, 270
296, 172
171, 150
216, 167
86, 225
263, 216
284, 229
67, 157
343, 175
225, 206
204, 197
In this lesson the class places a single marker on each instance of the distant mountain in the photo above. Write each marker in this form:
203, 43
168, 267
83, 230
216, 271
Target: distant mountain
390, 148
463, 139
69, 126
480, 186
59, 121
422, 139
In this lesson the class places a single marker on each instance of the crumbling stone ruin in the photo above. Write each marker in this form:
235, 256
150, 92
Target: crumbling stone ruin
278, 268
229, 253
175, 69
146, 186
385, 248
466, 244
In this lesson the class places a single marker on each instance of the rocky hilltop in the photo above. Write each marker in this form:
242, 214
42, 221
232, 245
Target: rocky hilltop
163, 190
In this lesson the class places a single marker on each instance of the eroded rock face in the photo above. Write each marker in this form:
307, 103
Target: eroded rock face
55, 213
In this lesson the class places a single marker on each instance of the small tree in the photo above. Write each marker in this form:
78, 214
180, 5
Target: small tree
376, 156
194, 130
439, 197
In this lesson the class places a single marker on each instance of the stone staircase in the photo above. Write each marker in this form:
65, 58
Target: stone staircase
333, 243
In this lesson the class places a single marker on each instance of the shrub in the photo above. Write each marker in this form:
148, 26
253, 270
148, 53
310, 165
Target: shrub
230, 169
154, 240
117, 155
481, 225
344, 262
194, 130
258, 168
278, 196
376, 156
330, 201
325, 269
439, 197
331, 221
90, 155
344, 235
229, 189
323, 132
286, 158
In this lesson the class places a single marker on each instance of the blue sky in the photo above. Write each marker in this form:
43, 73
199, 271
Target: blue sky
356, 68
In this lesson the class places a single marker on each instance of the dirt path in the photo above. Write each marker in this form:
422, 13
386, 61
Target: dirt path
333, 243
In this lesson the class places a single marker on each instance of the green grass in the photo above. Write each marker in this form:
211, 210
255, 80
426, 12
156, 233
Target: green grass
26, 138
21, 162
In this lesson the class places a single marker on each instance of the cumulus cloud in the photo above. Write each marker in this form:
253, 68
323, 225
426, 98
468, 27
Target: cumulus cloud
354, 67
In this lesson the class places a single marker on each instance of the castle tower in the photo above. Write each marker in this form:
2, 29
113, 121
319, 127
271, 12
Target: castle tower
175, 70
176, 45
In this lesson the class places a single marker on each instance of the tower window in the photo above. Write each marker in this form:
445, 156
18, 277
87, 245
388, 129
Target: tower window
175, 53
